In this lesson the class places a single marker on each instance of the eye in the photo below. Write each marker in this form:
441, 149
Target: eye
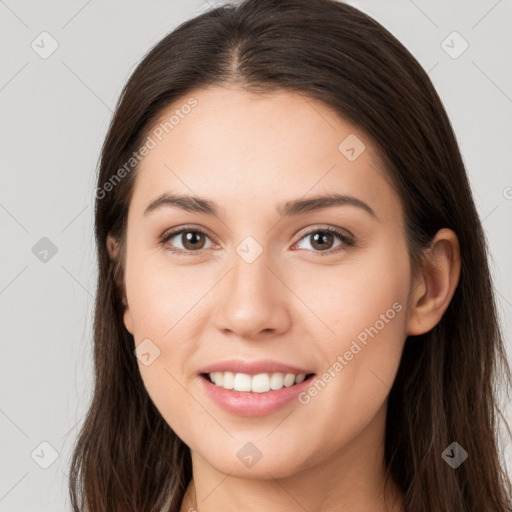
191, 238
322, 239
195, 239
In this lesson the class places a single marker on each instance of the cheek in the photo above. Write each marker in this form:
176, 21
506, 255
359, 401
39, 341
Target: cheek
164, 305
362, 308
351, 391
162, 294
350, 298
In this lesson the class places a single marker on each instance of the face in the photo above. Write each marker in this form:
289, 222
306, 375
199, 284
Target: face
261, 280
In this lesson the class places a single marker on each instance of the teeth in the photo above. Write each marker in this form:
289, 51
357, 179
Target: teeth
276, 381
300, 378
260, 383
242, 382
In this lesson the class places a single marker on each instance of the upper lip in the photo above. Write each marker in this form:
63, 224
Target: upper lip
253, 367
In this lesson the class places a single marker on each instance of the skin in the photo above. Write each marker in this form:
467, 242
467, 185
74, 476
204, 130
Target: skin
248, 153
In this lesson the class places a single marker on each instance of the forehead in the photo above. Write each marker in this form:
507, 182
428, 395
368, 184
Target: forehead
249, 148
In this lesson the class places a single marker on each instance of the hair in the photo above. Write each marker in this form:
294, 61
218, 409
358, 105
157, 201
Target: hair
126, 456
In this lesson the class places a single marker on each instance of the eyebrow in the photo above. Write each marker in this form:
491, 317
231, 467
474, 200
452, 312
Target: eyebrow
291, 208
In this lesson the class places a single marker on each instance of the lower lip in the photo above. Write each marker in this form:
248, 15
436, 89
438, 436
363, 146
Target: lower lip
246, 403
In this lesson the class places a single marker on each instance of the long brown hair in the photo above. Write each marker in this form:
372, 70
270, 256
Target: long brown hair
126, 456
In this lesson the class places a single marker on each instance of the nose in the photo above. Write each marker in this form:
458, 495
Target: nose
255, 303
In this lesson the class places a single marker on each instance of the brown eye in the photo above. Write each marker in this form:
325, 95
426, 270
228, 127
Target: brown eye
323, 240
191, 240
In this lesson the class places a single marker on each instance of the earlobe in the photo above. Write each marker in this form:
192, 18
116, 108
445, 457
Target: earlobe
437, 283
128, 321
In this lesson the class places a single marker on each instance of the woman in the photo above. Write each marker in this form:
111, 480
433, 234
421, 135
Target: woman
294, 307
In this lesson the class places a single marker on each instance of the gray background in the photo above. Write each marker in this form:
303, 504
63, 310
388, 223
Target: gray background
55, 112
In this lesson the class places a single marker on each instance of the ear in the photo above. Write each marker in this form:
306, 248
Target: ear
436, 284
112, 247
113, 250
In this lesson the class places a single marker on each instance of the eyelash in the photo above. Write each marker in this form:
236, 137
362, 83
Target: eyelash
347, 241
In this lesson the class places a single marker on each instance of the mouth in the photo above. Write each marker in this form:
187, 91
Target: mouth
245, 394
259, 383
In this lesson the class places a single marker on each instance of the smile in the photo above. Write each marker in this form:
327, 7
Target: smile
257, 394
260, 383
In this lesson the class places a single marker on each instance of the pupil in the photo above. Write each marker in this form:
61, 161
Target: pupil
321, 239
192, 237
